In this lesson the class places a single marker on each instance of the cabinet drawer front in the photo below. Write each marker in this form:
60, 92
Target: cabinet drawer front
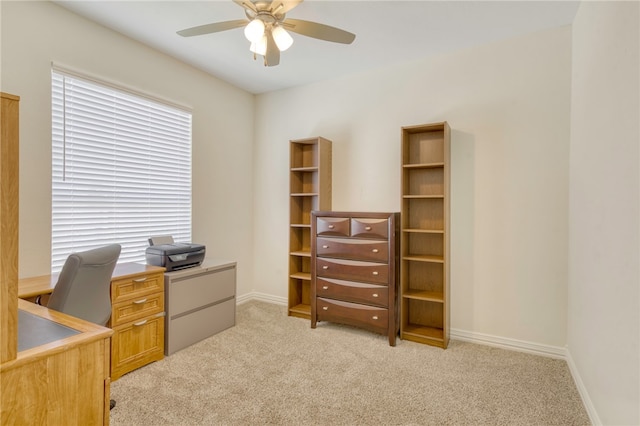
377, 251
353, 270
332, 226
369, 317
188, 329
370, 228
136, 344
190, 292
136, 286
134, 309
350, 291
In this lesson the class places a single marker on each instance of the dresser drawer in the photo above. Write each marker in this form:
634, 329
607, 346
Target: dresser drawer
338, 226
136, 286
350, 291
369, 317
370, 228
135, 309
352, 270
376, 251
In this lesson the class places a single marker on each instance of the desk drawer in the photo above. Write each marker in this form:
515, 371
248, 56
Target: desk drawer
136, 344
135, 309
353, 270
350, 291
136, 286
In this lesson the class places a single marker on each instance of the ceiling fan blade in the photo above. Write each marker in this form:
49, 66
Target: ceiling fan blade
212, 28
273, 53
247, 4
319, 31
283, 6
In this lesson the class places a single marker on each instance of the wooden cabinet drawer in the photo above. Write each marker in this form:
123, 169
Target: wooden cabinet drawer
136, 344
376, 251
369, 317
370, 228
136, 286
338, 226
353, 270
138, 308
353, 292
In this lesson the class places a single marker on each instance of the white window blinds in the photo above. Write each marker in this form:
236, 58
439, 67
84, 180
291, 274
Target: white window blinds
121, 170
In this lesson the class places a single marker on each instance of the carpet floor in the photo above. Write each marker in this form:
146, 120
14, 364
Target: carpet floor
271, 369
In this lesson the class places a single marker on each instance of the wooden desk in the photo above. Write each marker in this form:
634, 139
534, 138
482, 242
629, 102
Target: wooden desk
137, 313
37, 387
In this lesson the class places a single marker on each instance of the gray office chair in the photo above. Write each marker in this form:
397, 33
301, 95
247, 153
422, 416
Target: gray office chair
84, 285
83, 289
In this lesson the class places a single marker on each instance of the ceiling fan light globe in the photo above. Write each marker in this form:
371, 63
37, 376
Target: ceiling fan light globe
254, 30
259, 47
282, 38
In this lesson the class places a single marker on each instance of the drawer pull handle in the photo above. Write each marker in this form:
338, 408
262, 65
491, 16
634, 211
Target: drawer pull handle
139, 302
375, 294
375, 317
325, 308
325, 287
138, 324
325, 267
325, 246
375, 250
331, 226
368, 228
140, 280
375, 272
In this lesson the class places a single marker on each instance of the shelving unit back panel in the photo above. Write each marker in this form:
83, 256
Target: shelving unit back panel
300, 239
424, 182
299, 264
423, 213
423, 244
304, 182
422, 276
301, 208
427, 314
304, 154
424, 147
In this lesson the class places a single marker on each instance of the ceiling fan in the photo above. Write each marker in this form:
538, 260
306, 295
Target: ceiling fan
266, 28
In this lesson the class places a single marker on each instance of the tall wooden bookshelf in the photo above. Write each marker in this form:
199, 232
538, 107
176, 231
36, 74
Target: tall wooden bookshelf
310, 189
425, 237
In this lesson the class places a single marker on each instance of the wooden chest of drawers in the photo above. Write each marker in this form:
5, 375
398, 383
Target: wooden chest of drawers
354, 278
137, 317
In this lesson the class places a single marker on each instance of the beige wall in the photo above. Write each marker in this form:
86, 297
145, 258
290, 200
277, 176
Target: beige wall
508, 106
604, 216
36, 33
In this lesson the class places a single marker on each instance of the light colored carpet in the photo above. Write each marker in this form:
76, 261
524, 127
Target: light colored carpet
274, 369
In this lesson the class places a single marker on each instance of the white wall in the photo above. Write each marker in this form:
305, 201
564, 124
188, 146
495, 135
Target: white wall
604, 233
508, 106
36, 33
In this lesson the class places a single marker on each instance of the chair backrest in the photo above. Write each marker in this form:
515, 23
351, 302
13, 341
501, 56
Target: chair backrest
84, 284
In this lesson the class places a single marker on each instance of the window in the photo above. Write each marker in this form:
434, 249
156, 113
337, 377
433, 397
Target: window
121, 169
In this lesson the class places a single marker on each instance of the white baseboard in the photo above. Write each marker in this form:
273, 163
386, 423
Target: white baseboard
511, 344
582, 390
261, 297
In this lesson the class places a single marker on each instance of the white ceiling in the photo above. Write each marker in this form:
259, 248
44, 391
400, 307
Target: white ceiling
387, 32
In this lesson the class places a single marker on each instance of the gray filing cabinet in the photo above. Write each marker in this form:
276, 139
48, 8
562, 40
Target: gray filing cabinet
200, 302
